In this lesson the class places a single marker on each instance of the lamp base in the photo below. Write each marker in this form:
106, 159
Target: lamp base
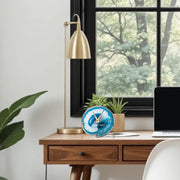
70, 130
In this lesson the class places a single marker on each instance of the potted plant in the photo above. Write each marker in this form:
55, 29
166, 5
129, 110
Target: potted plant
11, 133
96, 101
117, 108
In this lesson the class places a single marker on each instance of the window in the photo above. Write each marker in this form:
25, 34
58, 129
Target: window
135, 47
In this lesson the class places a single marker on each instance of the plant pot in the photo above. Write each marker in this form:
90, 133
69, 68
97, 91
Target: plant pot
118, 122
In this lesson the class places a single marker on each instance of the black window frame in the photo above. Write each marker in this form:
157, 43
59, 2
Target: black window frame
83, 77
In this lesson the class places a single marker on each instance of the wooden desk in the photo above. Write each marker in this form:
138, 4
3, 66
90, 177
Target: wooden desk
83, 151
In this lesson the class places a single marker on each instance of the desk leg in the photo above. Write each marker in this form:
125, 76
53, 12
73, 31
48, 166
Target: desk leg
78, 170
87, 172
45, 171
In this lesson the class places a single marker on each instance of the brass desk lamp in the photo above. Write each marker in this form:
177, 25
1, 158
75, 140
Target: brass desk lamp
78, 49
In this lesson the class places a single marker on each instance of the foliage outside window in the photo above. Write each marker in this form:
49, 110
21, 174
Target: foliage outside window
127, 48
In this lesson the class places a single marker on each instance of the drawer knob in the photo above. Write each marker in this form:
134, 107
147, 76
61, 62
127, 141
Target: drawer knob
82, 153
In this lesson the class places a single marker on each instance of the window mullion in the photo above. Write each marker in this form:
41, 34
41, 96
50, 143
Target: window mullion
158, 43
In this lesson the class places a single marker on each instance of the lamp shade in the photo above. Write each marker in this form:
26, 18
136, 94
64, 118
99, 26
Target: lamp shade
79, 46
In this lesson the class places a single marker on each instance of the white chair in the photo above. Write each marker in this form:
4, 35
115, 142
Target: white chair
163, 162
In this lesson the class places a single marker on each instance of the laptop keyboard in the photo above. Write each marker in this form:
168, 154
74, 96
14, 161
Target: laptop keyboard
166, 134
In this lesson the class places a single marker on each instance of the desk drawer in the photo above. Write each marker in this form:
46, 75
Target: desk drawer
83, 153
136, 153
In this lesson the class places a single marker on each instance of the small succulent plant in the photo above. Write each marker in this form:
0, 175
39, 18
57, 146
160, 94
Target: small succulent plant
117, 106
96, 101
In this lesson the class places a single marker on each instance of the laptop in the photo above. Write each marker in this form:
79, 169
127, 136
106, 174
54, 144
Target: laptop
166, 112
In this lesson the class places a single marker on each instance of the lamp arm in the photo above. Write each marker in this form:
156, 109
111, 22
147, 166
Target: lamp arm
65, 51
69, 23
78, 22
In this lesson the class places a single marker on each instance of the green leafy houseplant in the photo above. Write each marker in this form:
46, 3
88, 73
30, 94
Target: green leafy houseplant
1, 178
96, 101
11, 133
117, 106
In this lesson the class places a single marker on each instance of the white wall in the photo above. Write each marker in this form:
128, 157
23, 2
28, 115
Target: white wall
31, 60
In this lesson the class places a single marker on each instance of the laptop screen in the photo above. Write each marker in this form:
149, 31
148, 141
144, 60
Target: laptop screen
167, 108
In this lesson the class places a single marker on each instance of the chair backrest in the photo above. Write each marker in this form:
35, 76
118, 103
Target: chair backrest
163, 162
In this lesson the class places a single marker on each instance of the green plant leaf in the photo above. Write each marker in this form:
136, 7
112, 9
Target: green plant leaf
7, 115
3, 116
2, 178
11, 134
25, 102
12, 115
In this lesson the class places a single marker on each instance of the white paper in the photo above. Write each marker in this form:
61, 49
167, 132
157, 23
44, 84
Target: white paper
123, 134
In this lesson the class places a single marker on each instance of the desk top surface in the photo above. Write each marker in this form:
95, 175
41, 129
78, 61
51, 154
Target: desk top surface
65, 139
